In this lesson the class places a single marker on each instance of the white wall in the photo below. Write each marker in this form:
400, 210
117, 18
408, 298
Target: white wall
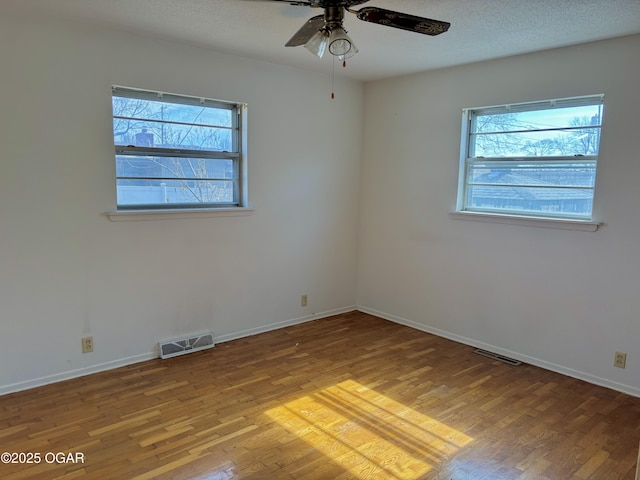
66, 271
562, 299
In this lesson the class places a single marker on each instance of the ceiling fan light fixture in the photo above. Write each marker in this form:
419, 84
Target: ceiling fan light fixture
318, 43
351, 52
340, 44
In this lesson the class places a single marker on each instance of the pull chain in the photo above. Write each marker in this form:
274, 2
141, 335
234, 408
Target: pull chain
333, 74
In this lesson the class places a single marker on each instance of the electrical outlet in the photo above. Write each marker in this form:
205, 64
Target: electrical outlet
303, 300
620, 360
87, 344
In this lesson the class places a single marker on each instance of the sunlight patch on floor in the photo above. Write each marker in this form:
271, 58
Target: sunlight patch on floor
369, 434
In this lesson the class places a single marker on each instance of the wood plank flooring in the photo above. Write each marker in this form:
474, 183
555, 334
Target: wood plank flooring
347, 397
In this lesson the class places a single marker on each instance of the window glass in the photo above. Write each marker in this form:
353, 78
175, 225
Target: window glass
174, 151
535, 159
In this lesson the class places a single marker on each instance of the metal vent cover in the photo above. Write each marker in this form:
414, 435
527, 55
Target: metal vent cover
181, 346
497, 356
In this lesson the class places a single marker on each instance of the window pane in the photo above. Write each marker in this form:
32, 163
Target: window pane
169, 167
555, 143
148, 133
538, 119
562, 202
160, 192
549, 132
171, 112
533, 174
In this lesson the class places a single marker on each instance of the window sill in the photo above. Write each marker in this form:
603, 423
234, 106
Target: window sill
582, 225
138, 215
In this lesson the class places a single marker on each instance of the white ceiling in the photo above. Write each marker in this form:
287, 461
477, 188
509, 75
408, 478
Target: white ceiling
480, 29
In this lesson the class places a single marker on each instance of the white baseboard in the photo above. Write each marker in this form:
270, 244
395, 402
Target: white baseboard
286, 323
79, 372
122, 362
603, 382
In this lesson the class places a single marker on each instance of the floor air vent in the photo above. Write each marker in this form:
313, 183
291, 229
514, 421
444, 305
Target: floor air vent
496, 356
181, 346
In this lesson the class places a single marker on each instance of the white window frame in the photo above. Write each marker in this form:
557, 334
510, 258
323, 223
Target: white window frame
464, 211
240, 203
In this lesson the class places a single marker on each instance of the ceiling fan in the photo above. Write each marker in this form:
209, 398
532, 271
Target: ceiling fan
327, 30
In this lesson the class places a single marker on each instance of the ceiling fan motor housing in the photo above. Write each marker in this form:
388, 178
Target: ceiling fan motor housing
333, 17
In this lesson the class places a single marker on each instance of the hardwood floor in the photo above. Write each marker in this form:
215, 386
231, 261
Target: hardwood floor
351, 396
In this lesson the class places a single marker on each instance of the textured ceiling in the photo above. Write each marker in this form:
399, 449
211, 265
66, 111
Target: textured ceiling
480, 29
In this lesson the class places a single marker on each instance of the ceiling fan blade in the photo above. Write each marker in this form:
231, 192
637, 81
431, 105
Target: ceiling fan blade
403, 21
308, 30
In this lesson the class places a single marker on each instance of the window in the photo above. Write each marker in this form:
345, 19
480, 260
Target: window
533, 159
175, 152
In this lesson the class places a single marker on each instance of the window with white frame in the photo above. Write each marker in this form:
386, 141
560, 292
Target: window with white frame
534, 159
176, 152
